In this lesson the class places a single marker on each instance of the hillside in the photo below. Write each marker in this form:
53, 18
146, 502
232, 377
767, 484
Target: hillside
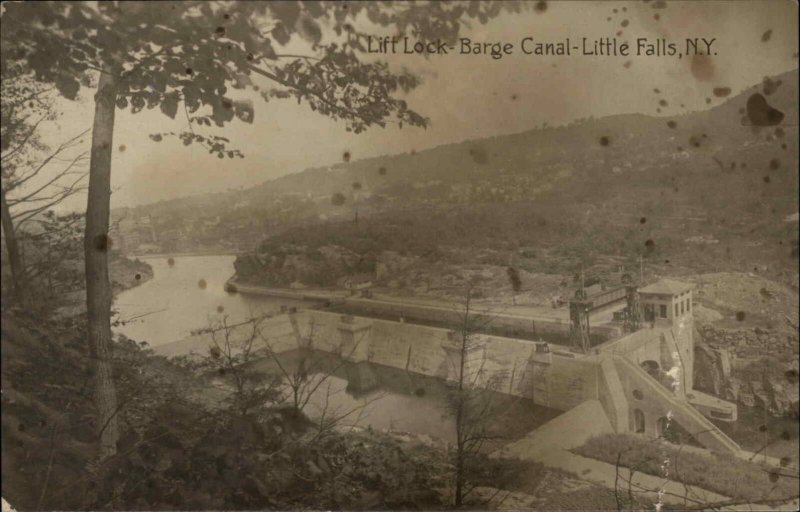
694, 192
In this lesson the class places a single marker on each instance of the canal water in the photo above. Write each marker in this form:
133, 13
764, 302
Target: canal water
184, 296
188, 294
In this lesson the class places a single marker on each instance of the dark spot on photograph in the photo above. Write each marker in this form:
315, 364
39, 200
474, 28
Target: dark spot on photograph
721, 92
702, 67
672, 124
760, 113
774, 164
102, 243
346, 156
740, 315
479, 155
766, 36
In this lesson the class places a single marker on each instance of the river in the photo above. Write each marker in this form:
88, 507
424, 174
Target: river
188, 294
185, 296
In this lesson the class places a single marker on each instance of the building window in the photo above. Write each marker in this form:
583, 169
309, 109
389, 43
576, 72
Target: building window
688, 305
638, 394
676, 310
682, 307
663, 311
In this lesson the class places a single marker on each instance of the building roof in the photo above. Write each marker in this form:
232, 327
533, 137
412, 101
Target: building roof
667, 287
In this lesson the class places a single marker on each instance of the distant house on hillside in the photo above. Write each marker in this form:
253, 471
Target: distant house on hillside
356, 281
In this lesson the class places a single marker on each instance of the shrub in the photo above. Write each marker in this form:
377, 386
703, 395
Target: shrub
724, 474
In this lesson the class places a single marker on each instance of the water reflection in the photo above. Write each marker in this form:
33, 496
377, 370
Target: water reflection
384, 398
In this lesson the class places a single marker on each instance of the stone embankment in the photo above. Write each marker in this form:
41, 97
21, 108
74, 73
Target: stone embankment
754, 367
747, 340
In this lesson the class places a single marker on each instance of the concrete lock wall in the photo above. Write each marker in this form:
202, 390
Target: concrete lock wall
552, 330
632, 399
670, 347
558, 379
651, 406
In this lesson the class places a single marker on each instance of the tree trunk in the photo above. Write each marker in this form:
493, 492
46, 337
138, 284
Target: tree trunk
96, 245
12, 249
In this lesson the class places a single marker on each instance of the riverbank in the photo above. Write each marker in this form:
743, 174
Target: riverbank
235, 286
126, 273
147, 255
123, 273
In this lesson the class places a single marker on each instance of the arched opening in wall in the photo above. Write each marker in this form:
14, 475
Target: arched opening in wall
638, 421
652, 368
662, 426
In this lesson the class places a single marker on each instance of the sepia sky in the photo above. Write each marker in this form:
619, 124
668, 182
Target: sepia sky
468, 96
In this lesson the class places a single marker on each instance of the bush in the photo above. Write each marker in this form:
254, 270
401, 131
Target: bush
724, 474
